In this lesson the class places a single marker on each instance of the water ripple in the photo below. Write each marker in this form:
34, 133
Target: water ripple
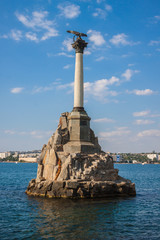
24, 217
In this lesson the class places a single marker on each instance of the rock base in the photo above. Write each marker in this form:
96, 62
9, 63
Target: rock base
68, 168
81, 189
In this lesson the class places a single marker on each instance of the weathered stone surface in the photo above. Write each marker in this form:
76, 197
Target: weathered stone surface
57, 137
64, 174
43, 152
39, 172
73, 189
72, 184
63, 122
53, 159
48, 172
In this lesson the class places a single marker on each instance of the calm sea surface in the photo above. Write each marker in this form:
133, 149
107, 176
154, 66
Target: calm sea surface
24, 217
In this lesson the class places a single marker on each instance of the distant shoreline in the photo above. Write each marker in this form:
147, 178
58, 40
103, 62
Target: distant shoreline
114, 163
15, 162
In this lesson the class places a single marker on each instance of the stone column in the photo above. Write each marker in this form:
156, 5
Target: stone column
78, 81
79, 46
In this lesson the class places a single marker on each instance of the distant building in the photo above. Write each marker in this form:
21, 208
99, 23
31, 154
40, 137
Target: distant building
28, 159
117, 158
158, 157
15, 154
29, 155
134, 161
4, 154
152, 156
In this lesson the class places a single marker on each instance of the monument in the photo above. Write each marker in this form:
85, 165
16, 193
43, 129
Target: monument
78, 120
72, 164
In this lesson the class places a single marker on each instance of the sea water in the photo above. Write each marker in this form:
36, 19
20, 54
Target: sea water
25, 217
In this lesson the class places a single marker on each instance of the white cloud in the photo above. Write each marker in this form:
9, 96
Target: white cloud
31, 36
50, 33
143, 122
147, 54
67, 85
5, 36
34, 133
112, 80
11, 132
125, 55
103, 120
119, 39
145, 92
96, 37
100, 1
39, 23
69, 10
141, 114
67, 44
117, 133
108, 7
65, 54
149, 133
122, 39
155, 19
155, 115
67, 66
154, 42
16, 35
17, 90
100, 88
87, 68
41, 89
87, 52
100, 59
50, 87
146, 113
37, 20
100, 13
129, 73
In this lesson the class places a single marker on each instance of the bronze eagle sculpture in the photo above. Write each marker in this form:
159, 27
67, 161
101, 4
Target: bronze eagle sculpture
78, 34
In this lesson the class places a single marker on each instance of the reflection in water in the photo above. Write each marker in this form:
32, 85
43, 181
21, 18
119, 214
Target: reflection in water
74, 219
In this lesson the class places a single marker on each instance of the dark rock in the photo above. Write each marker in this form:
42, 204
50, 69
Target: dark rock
74, 189
72, 184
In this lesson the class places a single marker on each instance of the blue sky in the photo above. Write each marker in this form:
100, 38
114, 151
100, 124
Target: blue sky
121, 71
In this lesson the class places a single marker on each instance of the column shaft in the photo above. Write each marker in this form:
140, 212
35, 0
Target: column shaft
78, 81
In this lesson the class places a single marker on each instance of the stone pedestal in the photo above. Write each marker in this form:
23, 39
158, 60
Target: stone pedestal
79, 126
80, 147
80, 134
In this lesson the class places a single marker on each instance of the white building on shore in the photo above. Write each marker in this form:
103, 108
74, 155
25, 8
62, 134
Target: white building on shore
4, 154
152, 156
28, 159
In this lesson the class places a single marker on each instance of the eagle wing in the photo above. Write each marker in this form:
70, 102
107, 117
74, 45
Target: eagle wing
77, 33
83, 34
73, 32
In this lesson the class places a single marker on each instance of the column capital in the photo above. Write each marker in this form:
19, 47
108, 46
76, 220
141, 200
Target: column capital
79, 45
